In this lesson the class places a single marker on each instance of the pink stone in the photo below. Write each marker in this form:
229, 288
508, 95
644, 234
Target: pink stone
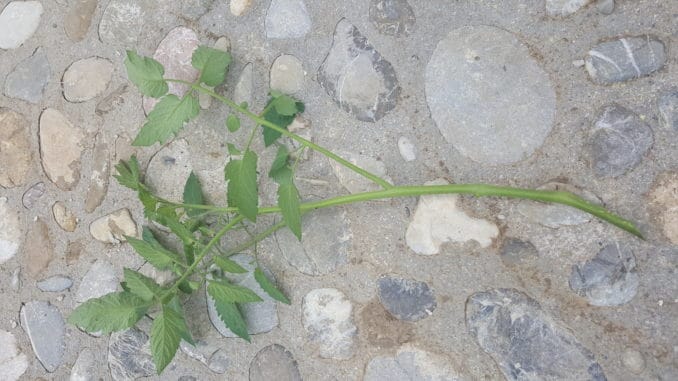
174, 53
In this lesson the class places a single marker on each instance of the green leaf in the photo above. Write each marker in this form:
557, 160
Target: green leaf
279, 162
141, 285
167, 118
128, 173
229, 313
212, 64
269, 287
232, 123
233, 150
193, 194
232, 293
149, 202
146, 73
289, 201
159, 257
112, 312
175, 304
279, 112
229, 266
242, 185
166, 333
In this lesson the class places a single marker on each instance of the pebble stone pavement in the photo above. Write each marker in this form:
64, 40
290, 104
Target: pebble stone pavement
579, 95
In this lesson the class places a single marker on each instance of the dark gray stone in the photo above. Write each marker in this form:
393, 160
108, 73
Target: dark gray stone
56, 283
515, 251
129, 355
624, 59
29, 78
46, 330
327, 237
392, 17
260, 317
406, 299
274, 363
525, 342
609, 279
668, 110
357, 77
619, 141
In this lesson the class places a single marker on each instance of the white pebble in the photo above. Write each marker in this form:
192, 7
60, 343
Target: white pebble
407, 149
238, 7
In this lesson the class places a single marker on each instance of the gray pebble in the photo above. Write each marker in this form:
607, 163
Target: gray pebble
274, 362
29, 78
357, 77
33, 195
287, 19
524, 340
619, 142
56, 283
624, 59
406, 299
605, 7
609, 279
668, 110
46, 330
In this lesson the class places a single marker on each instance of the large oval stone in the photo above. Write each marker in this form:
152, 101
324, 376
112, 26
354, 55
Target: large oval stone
488, 96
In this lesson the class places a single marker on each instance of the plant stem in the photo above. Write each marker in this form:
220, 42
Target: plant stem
259, 120
478, 190
206, 250
257, 238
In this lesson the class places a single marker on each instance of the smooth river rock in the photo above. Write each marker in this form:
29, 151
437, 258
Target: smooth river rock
327, 237
28, 79
11, 233
174, 52
625, 59
406, 299
526, 342
409, 364
64, 217
15, 148
287, 74
18, 21
33, 195
609, 279
121, 22
38, 249
357, 77
99, 280
114, 227
274, 363
287, 19
46, 330
78, 19
55, 283
488, 97
61, 145
86, 79
260, 317
619, 141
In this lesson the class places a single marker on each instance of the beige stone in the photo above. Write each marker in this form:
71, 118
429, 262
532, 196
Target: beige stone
60, 149
64, 217
664, 200
38, 249
114, 227
15, 148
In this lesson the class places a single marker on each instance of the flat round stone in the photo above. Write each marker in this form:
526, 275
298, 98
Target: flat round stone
488, 96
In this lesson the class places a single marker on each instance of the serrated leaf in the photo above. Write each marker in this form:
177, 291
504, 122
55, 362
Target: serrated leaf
166, 336
212, 64
159, 257
230, 314
233, 150
232, 293
166, 119
175, 304
282, 120
128, 173
193, 194
229, 266
242, 185
112, 312
279, 162
146, 73
289, 203
149, 202
141, 285
232, 123
269, 287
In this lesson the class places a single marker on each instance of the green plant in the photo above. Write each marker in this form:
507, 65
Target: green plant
193, 222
